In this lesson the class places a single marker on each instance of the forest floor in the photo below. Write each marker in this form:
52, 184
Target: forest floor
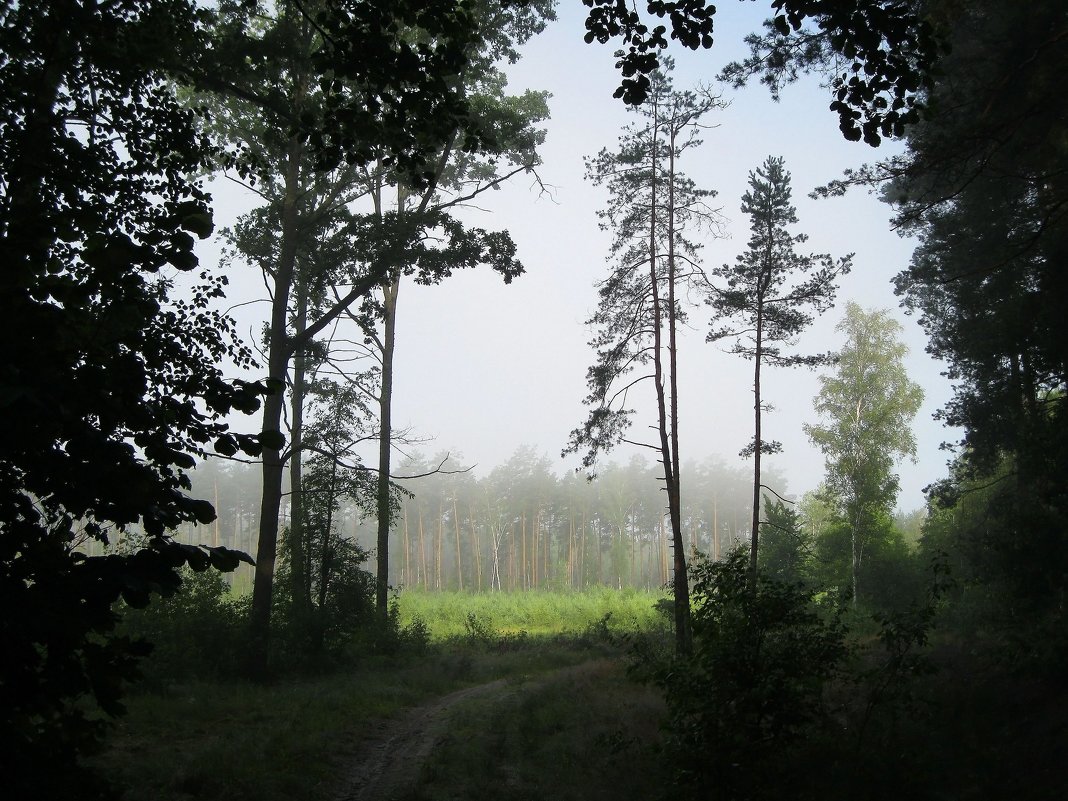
386, 762
530, 719
402, 758
522, 717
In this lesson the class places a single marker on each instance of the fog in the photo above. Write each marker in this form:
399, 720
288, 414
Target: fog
483, 368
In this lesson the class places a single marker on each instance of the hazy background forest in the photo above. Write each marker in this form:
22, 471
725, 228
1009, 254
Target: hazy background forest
609, 531
552, 531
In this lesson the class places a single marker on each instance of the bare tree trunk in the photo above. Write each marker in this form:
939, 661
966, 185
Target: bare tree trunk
634, 566
582, 554
299, 553
278, 355
600, 556
570, 548
406, 579
496, 535
385, 433
757, 357
534, 550
478, 547
437, 548
215, 532
459, 556
663, 552
669, 438
422, 553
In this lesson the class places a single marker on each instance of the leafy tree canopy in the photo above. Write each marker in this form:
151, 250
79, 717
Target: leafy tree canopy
110, 388
877, 55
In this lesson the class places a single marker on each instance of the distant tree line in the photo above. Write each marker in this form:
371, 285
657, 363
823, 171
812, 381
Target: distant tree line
521, 526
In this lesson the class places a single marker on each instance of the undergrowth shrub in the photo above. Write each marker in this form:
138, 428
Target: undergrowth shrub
315, 631
775, 701
754, 685
195, 633
201, 632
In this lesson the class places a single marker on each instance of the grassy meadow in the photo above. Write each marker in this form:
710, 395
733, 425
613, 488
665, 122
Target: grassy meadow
449, 615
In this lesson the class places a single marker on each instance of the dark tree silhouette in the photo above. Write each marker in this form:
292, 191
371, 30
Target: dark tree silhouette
110, 388
651, 205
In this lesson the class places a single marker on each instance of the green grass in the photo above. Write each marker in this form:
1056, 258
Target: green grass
539, 743
290, 739
536, 612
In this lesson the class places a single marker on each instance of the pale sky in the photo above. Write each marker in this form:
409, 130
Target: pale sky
484, 368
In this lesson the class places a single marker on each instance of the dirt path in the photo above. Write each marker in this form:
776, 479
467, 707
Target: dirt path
386, 764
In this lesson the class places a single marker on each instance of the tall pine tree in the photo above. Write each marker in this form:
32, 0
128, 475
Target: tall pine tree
651, 207
768, 297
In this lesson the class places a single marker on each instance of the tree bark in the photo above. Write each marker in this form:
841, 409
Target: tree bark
279, 352
299, 553
390, 289
669, 419
755, 523
459, 557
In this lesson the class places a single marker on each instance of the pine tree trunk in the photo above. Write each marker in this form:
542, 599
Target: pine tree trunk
406, 579
534, 551
478, 548
390, 289
570, 548
755, 524
422, 553
215, 532
459, 556
668, 420
582, 552
437, 549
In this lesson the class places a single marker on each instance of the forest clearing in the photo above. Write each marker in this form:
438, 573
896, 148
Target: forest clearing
392, 721
257, 254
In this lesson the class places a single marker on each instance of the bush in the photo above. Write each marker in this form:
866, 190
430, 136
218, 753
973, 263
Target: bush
194, 634
319, 629
753, 687
392, 638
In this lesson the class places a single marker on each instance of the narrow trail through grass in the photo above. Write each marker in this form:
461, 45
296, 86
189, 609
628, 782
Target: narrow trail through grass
302, 737
389, 762
386, 763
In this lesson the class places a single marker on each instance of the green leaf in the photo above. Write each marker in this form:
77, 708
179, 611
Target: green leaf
225, 446
200, 224
272, 440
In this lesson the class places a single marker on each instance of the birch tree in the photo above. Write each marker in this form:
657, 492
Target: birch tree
866, 408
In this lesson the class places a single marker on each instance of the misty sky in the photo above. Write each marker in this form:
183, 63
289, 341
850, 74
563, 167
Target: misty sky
484, 368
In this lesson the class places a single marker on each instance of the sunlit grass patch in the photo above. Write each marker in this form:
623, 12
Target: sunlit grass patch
537, 612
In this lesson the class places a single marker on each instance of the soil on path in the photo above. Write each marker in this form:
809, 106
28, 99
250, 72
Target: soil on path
387, 763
